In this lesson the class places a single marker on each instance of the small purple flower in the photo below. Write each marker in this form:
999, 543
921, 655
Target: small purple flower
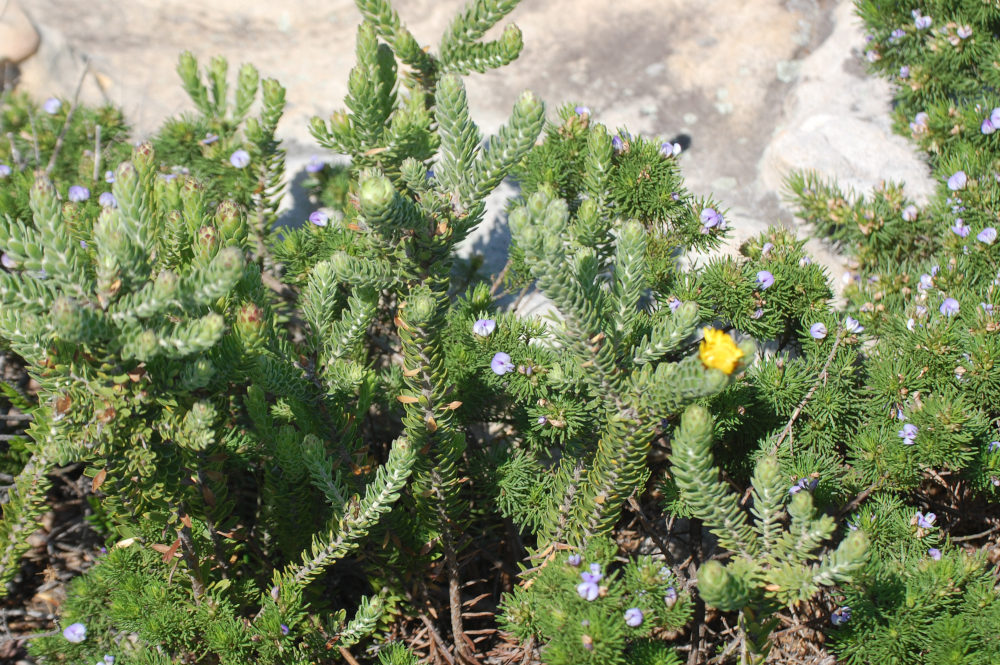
209, 139
588, 588
919, 124
852, 325
315, 164
109, 177
808, 484
501, 364
805, 261
922, 22
542, 420
766, 248
107, 200
964, 32
934, 553
995, 117
633, 617
581, 110
710, 218
668, 149
949, 307
957, 181
75, 632
78, 194
674, 304
871, 55
987, 235
670, 596
757, 314
987, 307
960, 229
987, 127
921, 311
107, 660
765, 279
675, 196
910, 213
925, 521
926, 282
4, 171
617, 144
240, 159
840, 616
484, 327
910, 324
817, 330
574, 560
993, 447
284, 629
319, 218
52, 106
897, 34
904, 72
908, 434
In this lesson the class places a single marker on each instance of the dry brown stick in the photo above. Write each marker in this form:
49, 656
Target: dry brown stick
436, 639
856, 501
347, 656
974, 536
499, 278
787, 431
529, 651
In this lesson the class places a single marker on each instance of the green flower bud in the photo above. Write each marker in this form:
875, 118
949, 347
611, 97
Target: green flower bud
721, 589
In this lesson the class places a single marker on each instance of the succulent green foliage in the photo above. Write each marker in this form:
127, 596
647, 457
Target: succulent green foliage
773, 566
581, 628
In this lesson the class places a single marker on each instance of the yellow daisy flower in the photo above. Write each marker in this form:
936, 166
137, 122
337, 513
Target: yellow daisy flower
719, 351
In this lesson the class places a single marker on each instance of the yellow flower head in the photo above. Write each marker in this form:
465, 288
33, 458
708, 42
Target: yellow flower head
719, 351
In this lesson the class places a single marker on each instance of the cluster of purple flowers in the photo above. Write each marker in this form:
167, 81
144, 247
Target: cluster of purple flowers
78, 194
710, 218
919, 124
588, 588
920, 21
949, 307
808, 484
991, 123
925, 521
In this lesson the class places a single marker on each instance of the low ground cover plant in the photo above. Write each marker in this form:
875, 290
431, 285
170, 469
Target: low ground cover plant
333, 443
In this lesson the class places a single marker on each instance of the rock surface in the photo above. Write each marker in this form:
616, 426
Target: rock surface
755, 89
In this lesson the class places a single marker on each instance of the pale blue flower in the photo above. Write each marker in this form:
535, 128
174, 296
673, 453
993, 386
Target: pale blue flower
284, 629
209, 139
993, 447
960, 229
995, 117
908, 434
107, 200
574, 560
617, 144
926, 282
757, 313
925, 521
957, 181
78, 194
588, 588
674, 304
315, 164
75, 633
910, 213
319, 218
987, 127
934, 553
240, 159
52, 106
484, 327
852, 325
581, 110
109, 177
5, 171
949, 307
987, 235
670, 596
904, 72
922, 22
871, 55
710, 218
964, 32
840, 616
919, 124
501, 363
805, 261
7, 262
668, 149
633, 617
765, 279
766, 248
818, 330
